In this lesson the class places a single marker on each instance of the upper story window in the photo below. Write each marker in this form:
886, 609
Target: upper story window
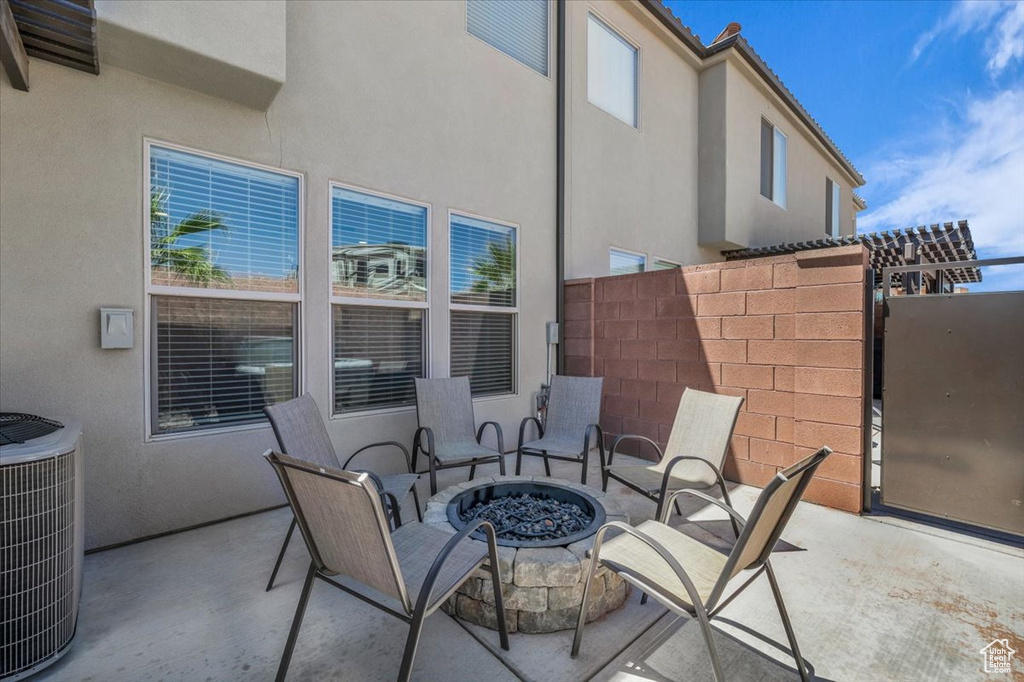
223, 290
379, 299
773, 163
611, 71
663, 264
832, 204
519, 28
484, 304
621, 262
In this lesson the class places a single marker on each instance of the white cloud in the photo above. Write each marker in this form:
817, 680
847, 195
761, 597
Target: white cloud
1003, 22
973, 170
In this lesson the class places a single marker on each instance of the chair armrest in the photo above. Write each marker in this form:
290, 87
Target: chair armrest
389, 443
687, 458
615, 445
498, 433
417, 445
522, 429
373, 477
660, 549
435, 568
707, 498
598, 438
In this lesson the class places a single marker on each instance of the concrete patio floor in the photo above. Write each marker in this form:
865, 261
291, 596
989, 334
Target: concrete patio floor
870, 598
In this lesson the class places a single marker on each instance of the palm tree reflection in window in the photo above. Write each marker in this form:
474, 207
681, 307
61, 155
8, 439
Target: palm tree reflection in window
192, 263
495, 273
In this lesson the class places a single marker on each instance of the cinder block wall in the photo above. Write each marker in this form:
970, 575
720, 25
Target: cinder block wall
786, 333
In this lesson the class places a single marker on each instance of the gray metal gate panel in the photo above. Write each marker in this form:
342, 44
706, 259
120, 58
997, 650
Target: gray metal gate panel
953, 411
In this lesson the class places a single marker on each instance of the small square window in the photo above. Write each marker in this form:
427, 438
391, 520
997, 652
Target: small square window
622, 262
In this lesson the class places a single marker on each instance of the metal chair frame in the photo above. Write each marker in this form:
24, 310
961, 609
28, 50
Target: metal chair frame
414, 616
705, 612
583, 456
435, 465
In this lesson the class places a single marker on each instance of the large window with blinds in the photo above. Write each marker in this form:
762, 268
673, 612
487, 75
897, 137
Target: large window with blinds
612, 72
519, 28
379, 298
223, 288
484, 303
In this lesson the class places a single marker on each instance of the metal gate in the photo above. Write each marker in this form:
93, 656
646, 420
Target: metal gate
953, 405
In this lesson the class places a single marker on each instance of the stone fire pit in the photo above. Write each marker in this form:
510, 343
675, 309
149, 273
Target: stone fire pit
542, 586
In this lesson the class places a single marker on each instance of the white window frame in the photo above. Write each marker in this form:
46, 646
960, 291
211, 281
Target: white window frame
629, 252
776, 130
514, 311
369, 302
837, 209
548, 43
638, 90
656, 259
152, 290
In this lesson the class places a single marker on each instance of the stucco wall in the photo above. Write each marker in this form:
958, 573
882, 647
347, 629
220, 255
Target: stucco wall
452, 122
750, 219
633, 188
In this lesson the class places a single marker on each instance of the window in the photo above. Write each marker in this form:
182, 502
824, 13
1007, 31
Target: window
519, 28
625, 262
773, 163
484, 304
832, 196
223, 290
379, 299
662, 264
611, 71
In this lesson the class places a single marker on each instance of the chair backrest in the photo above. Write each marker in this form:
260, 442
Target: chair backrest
301, 432
703, 426
341, 519
446, 406
769, 517
573, 405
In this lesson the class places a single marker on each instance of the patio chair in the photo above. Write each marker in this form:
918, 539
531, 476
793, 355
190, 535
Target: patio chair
444, 408
411, 571
301, 433
693, 455
689, 577
574, 409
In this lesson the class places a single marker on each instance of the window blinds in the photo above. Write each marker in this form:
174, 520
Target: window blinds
377, 354
625, 263
519, 28
483, 348
216, 224
483, 263
219, 361
378, 247
611, 71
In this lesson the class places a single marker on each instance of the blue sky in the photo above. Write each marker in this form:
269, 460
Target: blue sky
926, 98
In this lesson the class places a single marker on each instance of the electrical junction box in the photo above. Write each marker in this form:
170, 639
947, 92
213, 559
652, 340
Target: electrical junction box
117, 327
552, 333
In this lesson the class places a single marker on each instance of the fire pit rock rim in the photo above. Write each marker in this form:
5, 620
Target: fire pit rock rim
497, 489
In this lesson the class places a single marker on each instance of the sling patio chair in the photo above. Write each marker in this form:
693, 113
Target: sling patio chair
410, 571
574, 409
301, 433
444, 408
687, 576
693, 455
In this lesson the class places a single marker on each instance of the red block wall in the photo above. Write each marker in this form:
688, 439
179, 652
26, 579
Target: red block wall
786, 333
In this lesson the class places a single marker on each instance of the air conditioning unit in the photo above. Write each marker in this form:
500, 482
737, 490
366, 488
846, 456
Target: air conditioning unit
42, 540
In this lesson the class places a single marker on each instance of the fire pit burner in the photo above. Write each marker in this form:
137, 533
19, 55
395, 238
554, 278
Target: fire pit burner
529, 514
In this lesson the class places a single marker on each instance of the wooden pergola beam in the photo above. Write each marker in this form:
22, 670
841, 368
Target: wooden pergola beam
12, 50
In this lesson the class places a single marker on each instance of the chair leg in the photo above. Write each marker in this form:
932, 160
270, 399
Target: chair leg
678, 510
280, 555
519, 461
501, 463
293, 634
583, 475
416, 501
412, 642
581, 619
433, 477
705, 628
547, 466
785, 622
472, 471
499, 599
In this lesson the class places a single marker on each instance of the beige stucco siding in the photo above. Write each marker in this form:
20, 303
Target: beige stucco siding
750, 219
394, 97
634, 188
